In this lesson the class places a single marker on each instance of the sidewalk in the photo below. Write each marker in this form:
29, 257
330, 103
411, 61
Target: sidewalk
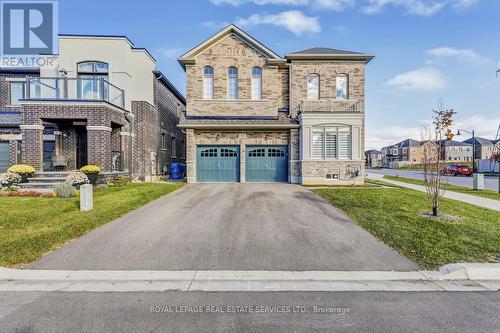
471, 199
453, 277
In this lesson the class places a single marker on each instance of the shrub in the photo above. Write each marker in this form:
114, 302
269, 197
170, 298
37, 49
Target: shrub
77, 178
90, 169
26, 194
22, 169
9, 179
64, 190
119, 181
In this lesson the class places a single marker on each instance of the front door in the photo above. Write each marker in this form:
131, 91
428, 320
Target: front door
49, 148
81, 147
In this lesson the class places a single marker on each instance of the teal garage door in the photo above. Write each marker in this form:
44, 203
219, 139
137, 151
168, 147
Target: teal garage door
267, 164
218, 164
4, 156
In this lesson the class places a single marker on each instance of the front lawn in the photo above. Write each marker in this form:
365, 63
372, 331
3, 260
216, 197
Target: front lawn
490, 194
393, 215
30, 227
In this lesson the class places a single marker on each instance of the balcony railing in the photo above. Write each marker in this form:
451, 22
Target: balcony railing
329, 106
82, 89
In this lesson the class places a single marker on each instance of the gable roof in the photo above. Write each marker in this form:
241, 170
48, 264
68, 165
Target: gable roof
480, 141
329, 53
188, 57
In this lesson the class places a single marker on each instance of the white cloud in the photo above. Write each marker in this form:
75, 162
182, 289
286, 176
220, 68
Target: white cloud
465, 56
261, 2
336, 5
170, 53
293, 20
417, 7
425, 79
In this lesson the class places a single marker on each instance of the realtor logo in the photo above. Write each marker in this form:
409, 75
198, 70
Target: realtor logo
29, 28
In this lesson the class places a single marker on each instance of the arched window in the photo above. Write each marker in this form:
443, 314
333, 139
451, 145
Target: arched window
313, 87
256, 83
342, 86
208, 83
232, 83
93, 80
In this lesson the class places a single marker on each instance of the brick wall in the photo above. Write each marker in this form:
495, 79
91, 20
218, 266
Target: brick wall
232, 51
169, 109
145, 139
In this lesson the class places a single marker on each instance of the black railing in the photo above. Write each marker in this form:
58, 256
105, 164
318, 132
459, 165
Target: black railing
64, 88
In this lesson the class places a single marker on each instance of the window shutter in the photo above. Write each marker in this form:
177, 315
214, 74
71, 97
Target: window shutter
318, 151
344, 143
331, 142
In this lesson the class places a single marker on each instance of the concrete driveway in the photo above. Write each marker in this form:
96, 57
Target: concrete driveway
230, 227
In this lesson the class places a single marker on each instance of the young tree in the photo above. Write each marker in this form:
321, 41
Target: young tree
434, 151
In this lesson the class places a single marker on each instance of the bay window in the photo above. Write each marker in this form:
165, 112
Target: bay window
331, 143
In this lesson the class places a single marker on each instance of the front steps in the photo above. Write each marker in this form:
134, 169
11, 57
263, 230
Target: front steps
44, 181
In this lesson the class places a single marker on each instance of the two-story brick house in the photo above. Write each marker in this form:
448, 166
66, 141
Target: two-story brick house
103, 103
254, 116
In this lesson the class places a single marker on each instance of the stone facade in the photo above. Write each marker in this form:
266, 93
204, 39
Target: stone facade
285, 85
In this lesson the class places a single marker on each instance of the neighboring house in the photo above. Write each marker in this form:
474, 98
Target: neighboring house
254, 116
455, 151
104, 104
410, 151
390, 154
484, 147
373, 158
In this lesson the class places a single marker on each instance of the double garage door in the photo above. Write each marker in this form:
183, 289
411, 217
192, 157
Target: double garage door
222, 164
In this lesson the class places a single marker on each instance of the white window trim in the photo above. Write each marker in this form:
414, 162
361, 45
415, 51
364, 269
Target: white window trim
337, 143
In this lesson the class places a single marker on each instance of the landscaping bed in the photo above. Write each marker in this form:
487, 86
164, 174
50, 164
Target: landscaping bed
32, 226
394, 215
490, 194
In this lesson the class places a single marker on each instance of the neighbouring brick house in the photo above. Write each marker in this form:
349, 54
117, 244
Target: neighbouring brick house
104, 103
254, 116
484, 147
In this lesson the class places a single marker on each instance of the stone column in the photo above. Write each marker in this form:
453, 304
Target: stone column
99, 147
294, 157
32, 146
191, 155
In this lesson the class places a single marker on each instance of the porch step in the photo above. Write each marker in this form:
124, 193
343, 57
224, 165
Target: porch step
51, 174
37, 186
46, 179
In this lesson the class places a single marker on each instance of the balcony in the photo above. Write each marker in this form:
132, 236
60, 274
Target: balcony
329, 106
75, 89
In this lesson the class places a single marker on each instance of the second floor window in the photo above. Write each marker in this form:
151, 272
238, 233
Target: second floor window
92, 75
232, 83
342, 86
16, 92
256, 83
313, 87
208, 83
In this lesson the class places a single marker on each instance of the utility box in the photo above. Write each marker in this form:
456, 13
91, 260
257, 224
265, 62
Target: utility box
478, 181
86, 197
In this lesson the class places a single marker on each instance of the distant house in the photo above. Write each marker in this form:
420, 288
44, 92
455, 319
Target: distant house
373, 158
484, 147
456, 151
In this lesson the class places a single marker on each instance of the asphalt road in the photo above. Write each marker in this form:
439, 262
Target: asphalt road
27, 312
230, 227
490, 183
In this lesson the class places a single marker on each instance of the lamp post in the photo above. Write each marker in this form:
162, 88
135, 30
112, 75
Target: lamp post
473, 148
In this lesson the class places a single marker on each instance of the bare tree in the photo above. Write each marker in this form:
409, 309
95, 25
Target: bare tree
436, 181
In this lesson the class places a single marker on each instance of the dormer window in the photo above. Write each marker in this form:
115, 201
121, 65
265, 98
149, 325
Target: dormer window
342, 86
208, 83
313, 87
232, 83
256, 83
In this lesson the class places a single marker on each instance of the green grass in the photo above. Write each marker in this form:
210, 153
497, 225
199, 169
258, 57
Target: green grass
30, 227
490, 194
393, 215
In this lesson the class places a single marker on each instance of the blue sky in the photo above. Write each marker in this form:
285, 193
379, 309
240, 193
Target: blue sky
426, 50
